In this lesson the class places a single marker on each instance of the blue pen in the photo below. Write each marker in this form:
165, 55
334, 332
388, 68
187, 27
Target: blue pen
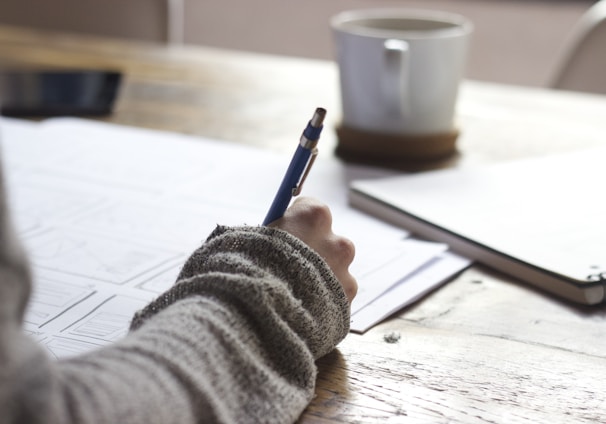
299, 167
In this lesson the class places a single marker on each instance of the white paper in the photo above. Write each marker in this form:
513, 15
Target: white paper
386, 265
411, 289
108, 215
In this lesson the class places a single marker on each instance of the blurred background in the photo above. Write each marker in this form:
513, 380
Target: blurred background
516, 41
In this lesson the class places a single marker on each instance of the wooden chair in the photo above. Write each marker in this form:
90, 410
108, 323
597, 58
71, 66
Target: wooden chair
583, 63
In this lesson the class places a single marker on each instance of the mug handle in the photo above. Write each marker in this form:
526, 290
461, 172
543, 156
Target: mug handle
395, 78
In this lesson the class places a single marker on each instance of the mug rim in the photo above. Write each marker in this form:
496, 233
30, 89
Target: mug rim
461, 25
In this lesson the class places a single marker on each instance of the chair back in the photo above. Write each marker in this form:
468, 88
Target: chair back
583, 63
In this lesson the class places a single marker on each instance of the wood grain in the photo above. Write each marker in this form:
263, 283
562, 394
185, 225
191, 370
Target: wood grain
483, 348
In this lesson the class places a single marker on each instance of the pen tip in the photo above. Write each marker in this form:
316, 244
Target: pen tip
318, 118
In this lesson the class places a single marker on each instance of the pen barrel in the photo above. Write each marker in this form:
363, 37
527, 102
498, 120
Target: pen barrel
289, 184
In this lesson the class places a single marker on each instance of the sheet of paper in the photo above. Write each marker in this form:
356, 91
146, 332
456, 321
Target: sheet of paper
386, 265
108, 214
414, 286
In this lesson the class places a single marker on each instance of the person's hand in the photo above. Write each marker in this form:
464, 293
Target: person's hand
311, 222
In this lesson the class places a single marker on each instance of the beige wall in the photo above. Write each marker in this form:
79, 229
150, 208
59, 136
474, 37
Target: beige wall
140, 19
516, 41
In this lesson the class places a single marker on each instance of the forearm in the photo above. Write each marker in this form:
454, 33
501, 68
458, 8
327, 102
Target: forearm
233, 341
273, 306
186, 365
285, 277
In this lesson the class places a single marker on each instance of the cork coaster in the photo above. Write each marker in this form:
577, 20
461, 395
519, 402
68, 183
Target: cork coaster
393, 150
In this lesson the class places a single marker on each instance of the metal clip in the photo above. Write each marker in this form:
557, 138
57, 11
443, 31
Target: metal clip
297, 190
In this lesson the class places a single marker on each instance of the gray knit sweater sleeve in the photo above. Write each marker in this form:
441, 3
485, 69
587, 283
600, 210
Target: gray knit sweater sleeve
234, 340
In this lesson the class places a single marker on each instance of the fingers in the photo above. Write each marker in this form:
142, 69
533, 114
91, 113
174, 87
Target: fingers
311, 222
343, 253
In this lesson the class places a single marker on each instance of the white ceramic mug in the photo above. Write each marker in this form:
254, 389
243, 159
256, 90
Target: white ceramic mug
400, 69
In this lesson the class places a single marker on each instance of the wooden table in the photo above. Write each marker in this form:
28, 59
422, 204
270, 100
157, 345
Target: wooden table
483, 348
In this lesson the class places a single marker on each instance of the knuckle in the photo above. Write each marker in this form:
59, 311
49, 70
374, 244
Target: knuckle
350, 287
319, 214
346, 249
